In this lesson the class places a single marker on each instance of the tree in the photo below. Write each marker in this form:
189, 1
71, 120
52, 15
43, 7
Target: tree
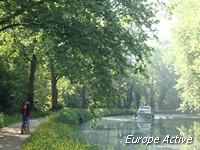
86, 41
163, 79
186, 45
107, 41
13, 73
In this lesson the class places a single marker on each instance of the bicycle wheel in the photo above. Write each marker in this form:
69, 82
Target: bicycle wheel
24, 128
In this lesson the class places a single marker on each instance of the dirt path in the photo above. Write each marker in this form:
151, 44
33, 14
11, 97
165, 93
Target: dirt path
10, 137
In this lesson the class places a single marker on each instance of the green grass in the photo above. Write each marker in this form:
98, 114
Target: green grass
60, 131
6, 119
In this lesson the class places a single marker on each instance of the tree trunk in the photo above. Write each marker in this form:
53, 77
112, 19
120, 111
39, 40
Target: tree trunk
137, 97
54, 92
152, 102
125, 103
119, 104
152, 94
129, 96
163, 93
83, 97
30, 93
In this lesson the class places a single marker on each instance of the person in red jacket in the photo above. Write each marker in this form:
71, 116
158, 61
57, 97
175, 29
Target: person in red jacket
25, 111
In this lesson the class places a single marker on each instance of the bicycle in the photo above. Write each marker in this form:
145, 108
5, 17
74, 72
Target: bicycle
25, 129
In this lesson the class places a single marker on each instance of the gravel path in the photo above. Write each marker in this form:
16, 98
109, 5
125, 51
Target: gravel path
12, 139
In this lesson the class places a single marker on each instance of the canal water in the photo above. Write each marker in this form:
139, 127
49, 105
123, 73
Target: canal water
112, 133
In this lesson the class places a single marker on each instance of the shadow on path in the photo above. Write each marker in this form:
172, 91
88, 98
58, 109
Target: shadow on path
11, 137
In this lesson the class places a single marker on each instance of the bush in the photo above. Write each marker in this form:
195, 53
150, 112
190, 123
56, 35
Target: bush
84, 115
6, 119
100, 112
72, 116
1, 119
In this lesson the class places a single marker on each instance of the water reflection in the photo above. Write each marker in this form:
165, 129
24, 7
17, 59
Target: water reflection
110, 132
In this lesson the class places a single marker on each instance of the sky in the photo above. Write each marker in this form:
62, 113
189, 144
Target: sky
164, 27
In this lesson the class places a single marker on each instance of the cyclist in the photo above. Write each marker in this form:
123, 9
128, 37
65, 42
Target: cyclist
25, 111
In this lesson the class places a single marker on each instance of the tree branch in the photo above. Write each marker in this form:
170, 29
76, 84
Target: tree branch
26, 57
18, 12
57, 78
10, 26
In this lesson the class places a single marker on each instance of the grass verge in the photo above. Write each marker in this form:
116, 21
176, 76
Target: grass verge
59, 132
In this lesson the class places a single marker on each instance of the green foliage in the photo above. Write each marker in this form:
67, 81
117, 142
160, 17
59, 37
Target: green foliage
193, 131
57, 136
115, 112
42, 89
6, 119
13, 71
100, 112
87, 42
162, 80
59, 132
1, 119
186, 45
9, 119
73, 116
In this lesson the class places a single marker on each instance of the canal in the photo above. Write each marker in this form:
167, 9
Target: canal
111, 133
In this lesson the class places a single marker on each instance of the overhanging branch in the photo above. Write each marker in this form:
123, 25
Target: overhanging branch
10, 26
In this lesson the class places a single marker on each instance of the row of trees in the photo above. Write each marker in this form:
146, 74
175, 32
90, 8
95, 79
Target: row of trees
65, 47
173, 75
186, 52
157, 86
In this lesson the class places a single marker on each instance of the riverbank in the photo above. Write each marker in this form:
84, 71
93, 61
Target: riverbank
60, 130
